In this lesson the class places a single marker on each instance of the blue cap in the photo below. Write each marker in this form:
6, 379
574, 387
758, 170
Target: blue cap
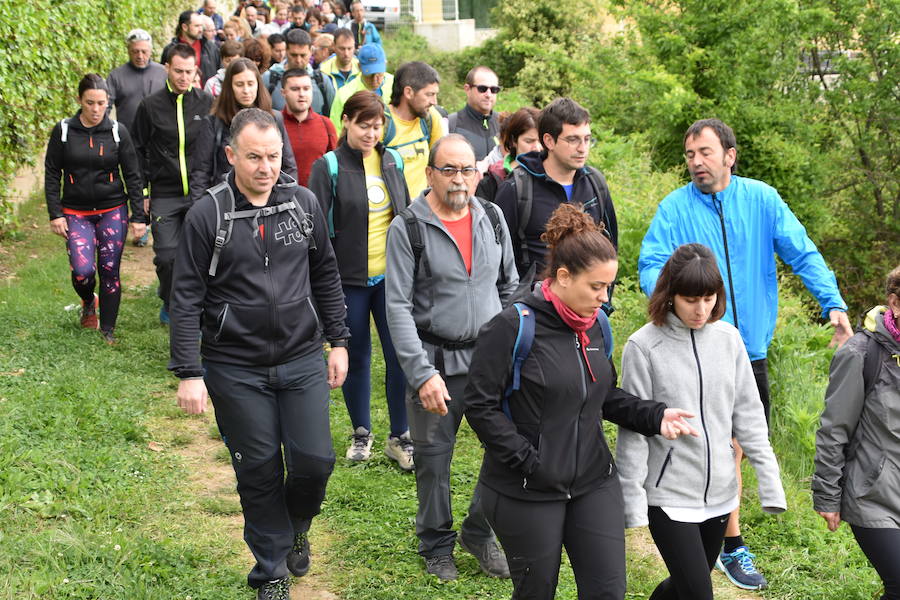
371, 59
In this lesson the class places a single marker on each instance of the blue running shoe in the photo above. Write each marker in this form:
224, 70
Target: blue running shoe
163, 316
739, 568
142, 241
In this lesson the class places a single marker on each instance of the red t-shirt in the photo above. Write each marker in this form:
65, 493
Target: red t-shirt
310, 139
461, 230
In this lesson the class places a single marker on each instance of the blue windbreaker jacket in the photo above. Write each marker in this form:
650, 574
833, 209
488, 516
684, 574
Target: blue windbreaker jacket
758, 224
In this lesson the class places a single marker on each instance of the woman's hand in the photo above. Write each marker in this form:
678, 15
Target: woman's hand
832, 518
138, 230
674, 424
59, 226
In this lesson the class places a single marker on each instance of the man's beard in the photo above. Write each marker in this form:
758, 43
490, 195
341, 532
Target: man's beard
456, 201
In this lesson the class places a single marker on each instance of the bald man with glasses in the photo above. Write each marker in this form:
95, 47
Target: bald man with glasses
477, 120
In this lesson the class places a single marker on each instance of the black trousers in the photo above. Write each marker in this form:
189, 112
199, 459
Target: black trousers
689, 551
882, 548
761, 374
261, 410
167, 219
591, 527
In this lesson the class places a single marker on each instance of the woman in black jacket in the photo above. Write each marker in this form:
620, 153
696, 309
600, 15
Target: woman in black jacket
548, 478
241, 88
91, 155
360, 205
518, 135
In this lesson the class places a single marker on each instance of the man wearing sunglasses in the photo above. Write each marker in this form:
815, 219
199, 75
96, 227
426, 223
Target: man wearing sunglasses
450, 269
477, 120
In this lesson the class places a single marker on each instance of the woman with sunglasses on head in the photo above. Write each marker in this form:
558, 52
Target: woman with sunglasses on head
857, 476
91, 173
685, 489
518, 135
548, 479
360, 205
241, 88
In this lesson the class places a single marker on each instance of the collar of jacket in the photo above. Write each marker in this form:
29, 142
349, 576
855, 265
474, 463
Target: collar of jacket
345, 148
725, 196
104, 125
283, 191
477, 116
533, 163
422, 209
675, 327
874, 322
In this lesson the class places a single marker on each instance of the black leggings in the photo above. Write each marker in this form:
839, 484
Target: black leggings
690, 551
881, 547
591, 527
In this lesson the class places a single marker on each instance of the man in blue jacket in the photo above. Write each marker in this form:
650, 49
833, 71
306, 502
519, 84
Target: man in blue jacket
745, 222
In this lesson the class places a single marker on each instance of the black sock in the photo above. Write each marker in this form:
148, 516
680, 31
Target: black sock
732, 543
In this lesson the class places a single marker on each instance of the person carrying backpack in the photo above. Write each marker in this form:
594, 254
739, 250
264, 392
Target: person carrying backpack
360, 204
548, 479
857, 476
556, 175
89, 158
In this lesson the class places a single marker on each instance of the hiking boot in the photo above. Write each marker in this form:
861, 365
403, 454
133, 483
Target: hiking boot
400, 449
361, 447
739, 568
109, 337
490, 557
277, 589
143, 240
89, 313
163, 316
298, 558
443, 567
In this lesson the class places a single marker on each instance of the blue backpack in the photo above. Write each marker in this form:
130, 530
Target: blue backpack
525, 338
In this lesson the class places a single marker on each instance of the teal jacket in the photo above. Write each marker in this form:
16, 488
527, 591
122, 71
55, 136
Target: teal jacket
757, 224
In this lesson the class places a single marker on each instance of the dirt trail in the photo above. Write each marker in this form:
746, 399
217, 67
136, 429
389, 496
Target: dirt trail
211, 479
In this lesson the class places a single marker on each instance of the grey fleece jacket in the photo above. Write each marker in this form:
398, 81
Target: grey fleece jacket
707, 372
858, 442
451, 304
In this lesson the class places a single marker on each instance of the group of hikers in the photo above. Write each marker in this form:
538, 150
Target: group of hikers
485, 250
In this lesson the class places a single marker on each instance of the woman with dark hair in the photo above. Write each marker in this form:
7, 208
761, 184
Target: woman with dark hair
685, 489
242, 88
857, 476
95, 160
360, 205
259, 52
548, 479
518, 135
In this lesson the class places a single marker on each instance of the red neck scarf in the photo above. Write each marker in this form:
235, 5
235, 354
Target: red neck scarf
577, 323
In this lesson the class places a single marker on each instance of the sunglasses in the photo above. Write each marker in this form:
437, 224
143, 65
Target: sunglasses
495, 89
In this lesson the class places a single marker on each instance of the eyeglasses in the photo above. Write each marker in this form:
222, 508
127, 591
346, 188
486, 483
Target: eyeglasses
450, 172
576, 141
495, 89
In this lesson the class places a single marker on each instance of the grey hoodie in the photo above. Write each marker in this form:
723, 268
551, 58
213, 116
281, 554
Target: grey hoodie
451, 304
858, 442
705, 371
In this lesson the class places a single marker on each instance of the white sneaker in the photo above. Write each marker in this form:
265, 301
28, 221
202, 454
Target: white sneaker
400, 449
361, 447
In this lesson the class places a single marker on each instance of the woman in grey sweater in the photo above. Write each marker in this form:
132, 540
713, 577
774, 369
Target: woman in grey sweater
857, 476
686, 488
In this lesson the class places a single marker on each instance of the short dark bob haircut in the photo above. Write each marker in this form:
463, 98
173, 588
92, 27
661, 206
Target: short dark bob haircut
690, 271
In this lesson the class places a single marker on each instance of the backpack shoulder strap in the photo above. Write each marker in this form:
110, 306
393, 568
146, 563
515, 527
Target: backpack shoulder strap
390, 130
603, 320
425, 126
64, 130
223, 233
332, 163
601, 194
416, 242
521, 349
451, 122
872, 362
302, 219
398, 160
115, 131
524, 196
491, 212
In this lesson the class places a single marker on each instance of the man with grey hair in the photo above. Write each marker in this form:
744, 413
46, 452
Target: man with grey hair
450, 269
254, 246
132, 82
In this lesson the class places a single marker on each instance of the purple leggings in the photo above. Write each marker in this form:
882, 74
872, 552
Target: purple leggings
102, 235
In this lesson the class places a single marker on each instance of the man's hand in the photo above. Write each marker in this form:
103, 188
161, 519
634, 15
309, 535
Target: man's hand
147, 206
673, 424
138, 230
192, 396
832, 518
338, 363
434, 395
59, 226
842, 329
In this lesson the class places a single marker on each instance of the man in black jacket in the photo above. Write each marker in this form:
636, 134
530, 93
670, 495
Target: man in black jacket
165, 128
252, 284
190, 33
477, 120
544, 180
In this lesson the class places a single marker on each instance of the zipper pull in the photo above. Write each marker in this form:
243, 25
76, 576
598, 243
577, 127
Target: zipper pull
110, 177
91, 140
267, 261
101, 148
577, 343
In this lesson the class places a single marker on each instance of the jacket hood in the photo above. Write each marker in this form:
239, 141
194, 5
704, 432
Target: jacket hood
874, 322
533, 162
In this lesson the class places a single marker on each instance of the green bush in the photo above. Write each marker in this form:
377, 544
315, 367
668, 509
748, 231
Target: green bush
46, 50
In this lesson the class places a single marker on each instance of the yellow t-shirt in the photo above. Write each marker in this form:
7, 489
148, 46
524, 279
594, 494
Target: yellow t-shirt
414, 150
380, 214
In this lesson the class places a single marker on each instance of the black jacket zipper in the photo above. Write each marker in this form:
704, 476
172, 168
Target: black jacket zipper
702, 416
579, 358
717, 204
